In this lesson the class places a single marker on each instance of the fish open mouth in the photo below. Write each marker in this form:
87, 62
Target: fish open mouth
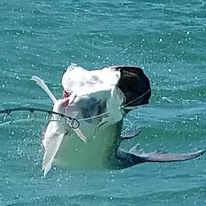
66, 96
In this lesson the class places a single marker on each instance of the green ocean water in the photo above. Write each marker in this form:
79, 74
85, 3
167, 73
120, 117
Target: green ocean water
166, 38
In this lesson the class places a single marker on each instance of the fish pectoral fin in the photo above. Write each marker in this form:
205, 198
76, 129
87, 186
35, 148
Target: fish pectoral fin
50, 152
135, 149
133, 157
42, 84
130, 134
52, 140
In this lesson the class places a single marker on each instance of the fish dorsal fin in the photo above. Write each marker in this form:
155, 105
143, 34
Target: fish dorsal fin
135, 149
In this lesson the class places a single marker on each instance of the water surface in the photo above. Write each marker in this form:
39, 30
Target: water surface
166, 38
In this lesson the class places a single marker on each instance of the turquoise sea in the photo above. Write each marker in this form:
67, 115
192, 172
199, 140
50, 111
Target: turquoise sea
166, 38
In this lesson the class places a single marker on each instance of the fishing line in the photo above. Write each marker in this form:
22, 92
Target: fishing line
121, 107
74, 123
136, 99
93, 117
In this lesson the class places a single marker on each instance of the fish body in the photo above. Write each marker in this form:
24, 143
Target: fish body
98, 100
